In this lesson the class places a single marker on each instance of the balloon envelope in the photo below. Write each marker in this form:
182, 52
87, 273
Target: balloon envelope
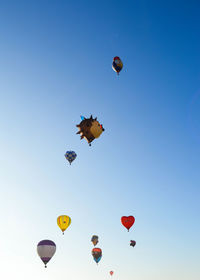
46, 249
132, 243
95, 239
63, 222
117, 64
97, 254
90, 129
111, 272
127, 222
70, 156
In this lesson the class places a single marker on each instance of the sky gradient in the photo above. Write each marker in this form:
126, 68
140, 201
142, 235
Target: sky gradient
55, 65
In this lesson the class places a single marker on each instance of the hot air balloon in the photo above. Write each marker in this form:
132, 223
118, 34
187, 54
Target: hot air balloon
95, 240
46, 249
63, 222
111, 272
89, 129
127, 221
97, 254
117, 64
132, 243
70, 156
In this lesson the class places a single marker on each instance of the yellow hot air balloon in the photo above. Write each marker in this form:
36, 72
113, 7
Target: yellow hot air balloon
63, 222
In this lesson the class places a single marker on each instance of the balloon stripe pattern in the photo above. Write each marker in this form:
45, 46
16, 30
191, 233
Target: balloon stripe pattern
46, 249
70, 156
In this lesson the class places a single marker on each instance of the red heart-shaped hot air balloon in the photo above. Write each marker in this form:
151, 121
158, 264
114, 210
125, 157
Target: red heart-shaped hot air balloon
127, 221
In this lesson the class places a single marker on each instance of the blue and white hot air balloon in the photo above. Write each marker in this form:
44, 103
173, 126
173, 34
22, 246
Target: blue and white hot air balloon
46, 249
70, 156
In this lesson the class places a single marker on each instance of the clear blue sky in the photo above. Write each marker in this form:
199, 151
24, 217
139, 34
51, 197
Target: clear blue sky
55, 65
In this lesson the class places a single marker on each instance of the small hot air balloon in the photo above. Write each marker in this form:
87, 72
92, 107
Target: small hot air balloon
127, 221
70, 156
89, 129
111, 272
117, 64
97, 254
132, 243
95, 240
63, 222
46, 249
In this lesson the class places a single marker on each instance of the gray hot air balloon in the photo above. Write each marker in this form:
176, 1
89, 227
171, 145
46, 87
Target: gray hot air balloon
46, 249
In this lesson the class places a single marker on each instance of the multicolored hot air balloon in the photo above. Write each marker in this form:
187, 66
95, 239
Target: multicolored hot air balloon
89, 129
46, 249
111, 272
132, 243
70, 156
63, 222
95, 240
97, 254
127, 221
117, 64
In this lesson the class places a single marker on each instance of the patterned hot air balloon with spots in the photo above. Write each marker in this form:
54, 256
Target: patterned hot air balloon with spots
70, 156
46, 249
117, 64
63, 222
